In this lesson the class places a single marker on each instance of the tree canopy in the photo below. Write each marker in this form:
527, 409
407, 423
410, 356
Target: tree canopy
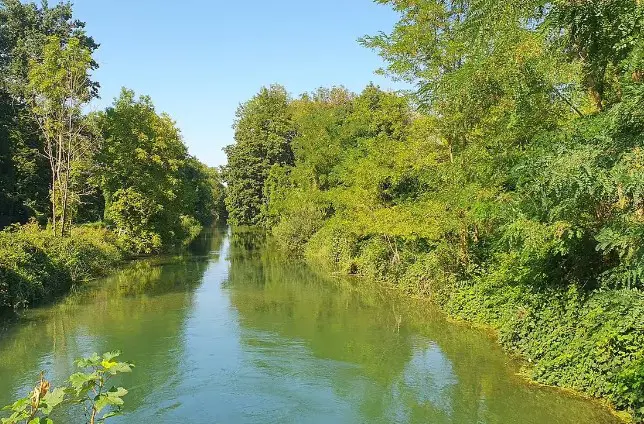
508, 184
127, 166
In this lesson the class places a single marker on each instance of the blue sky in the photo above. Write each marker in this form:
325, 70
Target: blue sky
198, 59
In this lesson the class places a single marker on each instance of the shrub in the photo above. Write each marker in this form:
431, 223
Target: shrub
36, 265
295, 230
190, 229
334, 248
88, 387
591, 342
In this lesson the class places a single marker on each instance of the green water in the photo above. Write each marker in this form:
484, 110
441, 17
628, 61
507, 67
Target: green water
233, 334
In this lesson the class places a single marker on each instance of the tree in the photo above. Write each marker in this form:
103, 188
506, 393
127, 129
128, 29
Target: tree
263, 134
154, 191
24, 171
508, 186
203, 192
59, 87
599, 34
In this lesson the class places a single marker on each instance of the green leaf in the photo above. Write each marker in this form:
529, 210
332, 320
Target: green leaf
19, 405
119, 391
108, 356
109, 415
102, 402
110, 398
52, 399
92, 361
118, 367
80, 380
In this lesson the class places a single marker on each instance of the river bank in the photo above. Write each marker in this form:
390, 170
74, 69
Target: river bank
496, 331
589, 342
37, 266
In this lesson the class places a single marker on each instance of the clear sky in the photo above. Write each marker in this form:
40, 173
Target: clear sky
199, 59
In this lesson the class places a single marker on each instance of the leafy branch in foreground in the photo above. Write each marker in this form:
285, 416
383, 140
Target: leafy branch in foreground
88, 387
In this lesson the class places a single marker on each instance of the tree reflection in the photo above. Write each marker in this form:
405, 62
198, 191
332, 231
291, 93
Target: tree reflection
139, 310
396, 358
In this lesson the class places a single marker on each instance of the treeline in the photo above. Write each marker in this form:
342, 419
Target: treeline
509, 185
88, 188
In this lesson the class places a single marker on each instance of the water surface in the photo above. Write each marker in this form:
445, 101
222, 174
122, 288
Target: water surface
232, 333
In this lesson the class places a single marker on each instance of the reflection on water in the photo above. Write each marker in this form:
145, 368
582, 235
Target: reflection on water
234, 333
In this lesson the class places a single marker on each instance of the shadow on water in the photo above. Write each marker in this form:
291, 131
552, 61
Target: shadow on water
233, 332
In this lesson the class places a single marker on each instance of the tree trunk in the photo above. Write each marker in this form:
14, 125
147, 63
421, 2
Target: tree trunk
53, 205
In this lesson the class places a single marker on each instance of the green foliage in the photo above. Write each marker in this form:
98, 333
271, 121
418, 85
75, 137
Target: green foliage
589, 342
263, 133
88, 387
131, 213
59, 87
154, 192
24, 172
57, 162
35, 409
601, 34
36, 266
127, 165
509, 186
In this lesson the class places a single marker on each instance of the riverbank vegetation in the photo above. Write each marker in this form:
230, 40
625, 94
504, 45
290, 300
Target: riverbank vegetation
508, 185
81, 191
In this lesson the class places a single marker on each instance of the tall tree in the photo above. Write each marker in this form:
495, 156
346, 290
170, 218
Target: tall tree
599, 34
263, 134
59, 86
24, 174
153, 189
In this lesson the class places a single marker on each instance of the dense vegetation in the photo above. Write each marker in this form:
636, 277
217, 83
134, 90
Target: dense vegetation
509, 185
126, 170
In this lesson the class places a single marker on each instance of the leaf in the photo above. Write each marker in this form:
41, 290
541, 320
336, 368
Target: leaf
92, 361
110, 414
120, 391
108, 356
117, 367
80, 381
53, 399
112, 397
19, 405
101, 403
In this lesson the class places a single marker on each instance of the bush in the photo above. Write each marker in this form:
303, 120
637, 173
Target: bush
334, 248
36, 266
589, 342
571, 335
144, 226
292, 232
190, 229
133, 216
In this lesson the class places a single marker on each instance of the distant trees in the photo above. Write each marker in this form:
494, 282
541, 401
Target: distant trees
263, 133
154, 192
